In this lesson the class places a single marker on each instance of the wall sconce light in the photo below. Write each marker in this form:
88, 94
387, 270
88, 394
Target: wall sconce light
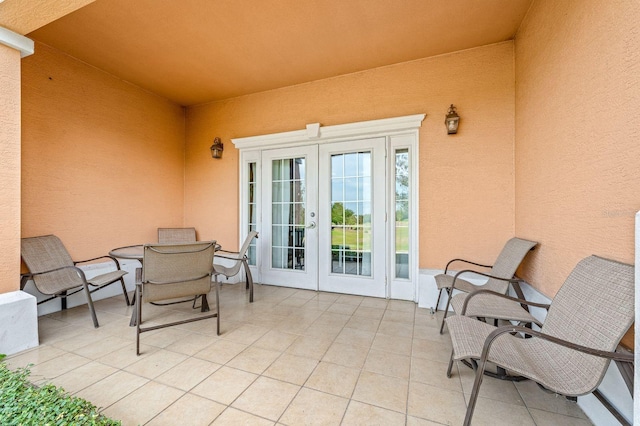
217, 148
452, 120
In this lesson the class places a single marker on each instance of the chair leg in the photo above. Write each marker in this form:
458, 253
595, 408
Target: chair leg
249, 278
438, 301
90, 303
446, 309
218, 306
473, 399
134, 312
138, 297
205, 304
450, 365
124, 291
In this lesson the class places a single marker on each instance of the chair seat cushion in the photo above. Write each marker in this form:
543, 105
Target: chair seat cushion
107, 278
445, 281
558, 368
223, 270
490, 306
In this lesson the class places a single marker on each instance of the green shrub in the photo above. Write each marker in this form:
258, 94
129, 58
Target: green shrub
22, 403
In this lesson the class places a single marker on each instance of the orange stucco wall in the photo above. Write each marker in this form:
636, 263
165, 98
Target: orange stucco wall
9, 169
102, 160
577, 134
466, 180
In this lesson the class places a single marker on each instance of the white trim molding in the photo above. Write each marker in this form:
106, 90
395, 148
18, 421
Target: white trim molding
16, 41
315, 133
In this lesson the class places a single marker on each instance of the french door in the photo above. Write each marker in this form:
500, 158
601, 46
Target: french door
352, 192
323, 217
289, 205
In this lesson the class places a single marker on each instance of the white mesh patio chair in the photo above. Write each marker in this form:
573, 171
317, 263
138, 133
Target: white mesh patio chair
171, 273
499, 277
571, 353
54, 273
176, 235
238, 259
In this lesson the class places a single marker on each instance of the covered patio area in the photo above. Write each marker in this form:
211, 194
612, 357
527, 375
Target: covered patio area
292, 357
110, 108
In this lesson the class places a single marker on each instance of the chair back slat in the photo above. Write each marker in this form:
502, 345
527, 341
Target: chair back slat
507, 263
177, 270
595, 305
45, 253
176, 235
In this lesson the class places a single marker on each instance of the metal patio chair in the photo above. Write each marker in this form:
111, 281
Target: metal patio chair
175, 271
488, 304
571, 353
54, 273
500, 275
176, 235
239, 259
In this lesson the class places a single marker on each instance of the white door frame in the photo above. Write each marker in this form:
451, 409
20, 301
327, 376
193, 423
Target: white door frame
398, 131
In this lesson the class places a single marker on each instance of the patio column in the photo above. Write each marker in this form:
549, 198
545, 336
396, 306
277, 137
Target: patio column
12, 48
18, 312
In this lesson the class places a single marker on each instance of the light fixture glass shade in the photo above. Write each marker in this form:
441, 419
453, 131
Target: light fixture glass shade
452, 120
217, 148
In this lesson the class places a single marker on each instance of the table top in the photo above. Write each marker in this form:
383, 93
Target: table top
136, 252
128, 252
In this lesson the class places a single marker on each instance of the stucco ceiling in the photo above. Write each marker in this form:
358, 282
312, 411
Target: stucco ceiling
195, 51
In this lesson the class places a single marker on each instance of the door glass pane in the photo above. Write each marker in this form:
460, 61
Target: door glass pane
288, 201
364, 163
277, 258
276, 165
351, 213
402, 213
278, 236
252, 210
351, 189
337, 188
337, 166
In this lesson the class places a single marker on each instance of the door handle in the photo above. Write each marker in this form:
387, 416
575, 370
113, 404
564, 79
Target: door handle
311, 225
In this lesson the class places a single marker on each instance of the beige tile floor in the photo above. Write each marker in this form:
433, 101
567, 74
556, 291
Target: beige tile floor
293, 357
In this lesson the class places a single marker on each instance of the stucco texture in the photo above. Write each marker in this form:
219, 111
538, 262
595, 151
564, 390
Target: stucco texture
102, 160
577, 131
9, 169
466, 180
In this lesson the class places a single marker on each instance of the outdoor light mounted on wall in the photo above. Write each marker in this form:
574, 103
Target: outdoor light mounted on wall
452, 120
217, 148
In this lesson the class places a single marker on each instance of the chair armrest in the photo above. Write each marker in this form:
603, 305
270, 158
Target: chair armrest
616, 356
99, 257
226, 251
504, 296
446, 268
236, 258
464, 271
75, 268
